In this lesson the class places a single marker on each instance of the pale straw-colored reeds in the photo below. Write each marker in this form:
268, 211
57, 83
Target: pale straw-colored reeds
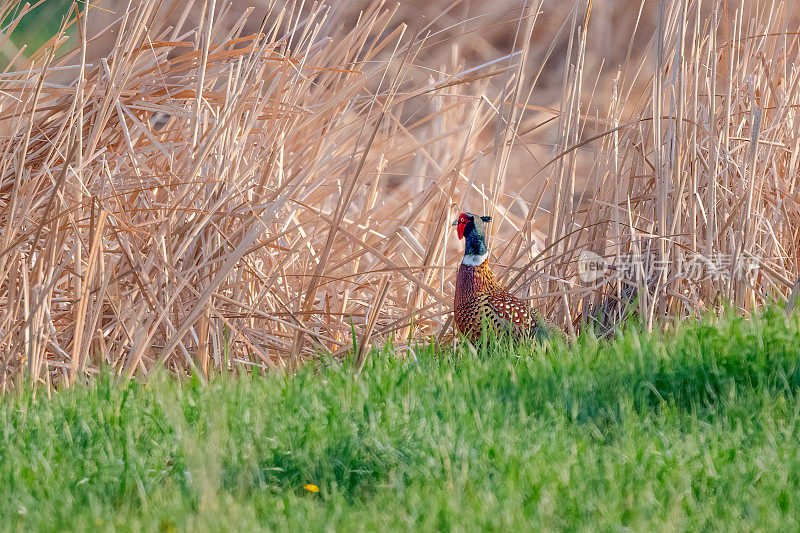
209, 199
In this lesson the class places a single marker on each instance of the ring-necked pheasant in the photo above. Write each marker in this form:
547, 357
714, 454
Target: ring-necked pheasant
479, 297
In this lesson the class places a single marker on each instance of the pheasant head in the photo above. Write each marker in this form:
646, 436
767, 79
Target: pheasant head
472, 228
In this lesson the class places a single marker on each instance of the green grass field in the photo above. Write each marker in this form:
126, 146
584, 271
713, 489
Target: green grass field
696, 431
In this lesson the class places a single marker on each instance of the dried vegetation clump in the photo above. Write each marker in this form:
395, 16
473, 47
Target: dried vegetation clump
205, 197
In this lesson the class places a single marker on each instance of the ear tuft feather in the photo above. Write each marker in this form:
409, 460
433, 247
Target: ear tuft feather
486, 219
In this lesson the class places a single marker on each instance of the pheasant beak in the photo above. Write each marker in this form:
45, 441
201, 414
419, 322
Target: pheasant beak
455, 223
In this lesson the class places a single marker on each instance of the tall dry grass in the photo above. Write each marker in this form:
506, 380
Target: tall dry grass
210, 199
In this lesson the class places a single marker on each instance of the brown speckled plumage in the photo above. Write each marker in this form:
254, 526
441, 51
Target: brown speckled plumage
479, 297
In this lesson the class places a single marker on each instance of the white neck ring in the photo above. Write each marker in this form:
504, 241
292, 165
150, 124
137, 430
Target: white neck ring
474, 260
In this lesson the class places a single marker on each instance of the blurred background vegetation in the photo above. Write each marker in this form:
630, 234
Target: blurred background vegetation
36, 27
461, 33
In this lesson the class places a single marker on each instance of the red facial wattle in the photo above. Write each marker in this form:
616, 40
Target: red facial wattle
462, 223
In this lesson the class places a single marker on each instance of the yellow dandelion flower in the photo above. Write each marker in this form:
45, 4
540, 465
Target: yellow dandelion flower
311, 488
